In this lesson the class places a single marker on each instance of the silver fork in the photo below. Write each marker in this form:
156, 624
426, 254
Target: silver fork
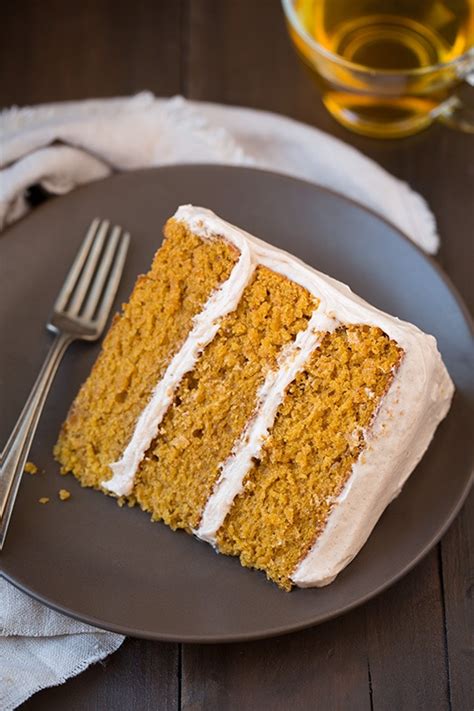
79, 313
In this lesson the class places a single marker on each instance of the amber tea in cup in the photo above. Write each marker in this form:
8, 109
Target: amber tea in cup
387, 68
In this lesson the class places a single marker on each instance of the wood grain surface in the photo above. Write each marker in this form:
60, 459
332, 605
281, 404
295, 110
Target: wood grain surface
411, 647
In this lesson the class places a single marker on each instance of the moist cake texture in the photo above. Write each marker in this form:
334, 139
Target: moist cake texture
256, 403
316, 438
181, 466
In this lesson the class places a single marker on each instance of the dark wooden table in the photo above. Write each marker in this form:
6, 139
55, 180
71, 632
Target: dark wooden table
411, 647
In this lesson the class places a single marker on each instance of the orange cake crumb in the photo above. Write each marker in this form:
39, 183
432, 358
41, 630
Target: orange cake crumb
31, 468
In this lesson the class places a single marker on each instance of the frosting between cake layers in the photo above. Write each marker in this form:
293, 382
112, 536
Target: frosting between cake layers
415, 403
269, 398
205, 326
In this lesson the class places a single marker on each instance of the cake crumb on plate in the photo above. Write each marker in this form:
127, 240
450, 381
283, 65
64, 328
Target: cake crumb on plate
64, 494
31, 468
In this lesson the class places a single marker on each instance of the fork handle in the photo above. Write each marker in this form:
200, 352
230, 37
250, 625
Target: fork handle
15, 454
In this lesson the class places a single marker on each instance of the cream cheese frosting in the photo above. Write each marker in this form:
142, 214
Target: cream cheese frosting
270, 397
205, 326
417, 400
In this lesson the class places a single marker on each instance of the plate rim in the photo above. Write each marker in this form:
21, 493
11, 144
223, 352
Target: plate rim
269, 633
323, 617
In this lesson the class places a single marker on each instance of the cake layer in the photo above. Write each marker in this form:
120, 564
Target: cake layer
318, 434
139, 346
218, 397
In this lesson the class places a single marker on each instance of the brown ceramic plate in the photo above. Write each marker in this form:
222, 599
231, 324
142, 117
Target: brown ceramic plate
111, 567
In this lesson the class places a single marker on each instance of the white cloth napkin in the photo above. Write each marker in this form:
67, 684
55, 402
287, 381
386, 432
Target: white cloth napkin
40, 647
61, 146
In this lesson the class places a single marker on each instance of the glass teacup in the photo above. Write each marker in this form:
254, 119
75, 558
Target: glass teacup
387, 68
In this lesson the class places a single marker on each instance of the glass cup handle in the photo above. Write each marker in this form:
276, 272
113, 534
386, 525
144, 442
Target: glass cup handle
455, 112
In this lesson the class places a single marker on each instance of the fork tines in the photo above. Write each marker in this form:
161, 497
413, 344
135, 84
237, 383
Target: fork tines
89, 289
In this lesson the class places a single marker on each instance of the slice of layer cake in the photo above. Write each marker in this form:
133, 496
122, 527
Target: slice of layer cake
255, 402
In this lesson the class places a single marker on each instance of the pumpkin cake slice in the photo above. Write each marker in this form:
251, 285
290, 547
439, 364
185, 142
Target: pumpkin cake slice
256, 403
